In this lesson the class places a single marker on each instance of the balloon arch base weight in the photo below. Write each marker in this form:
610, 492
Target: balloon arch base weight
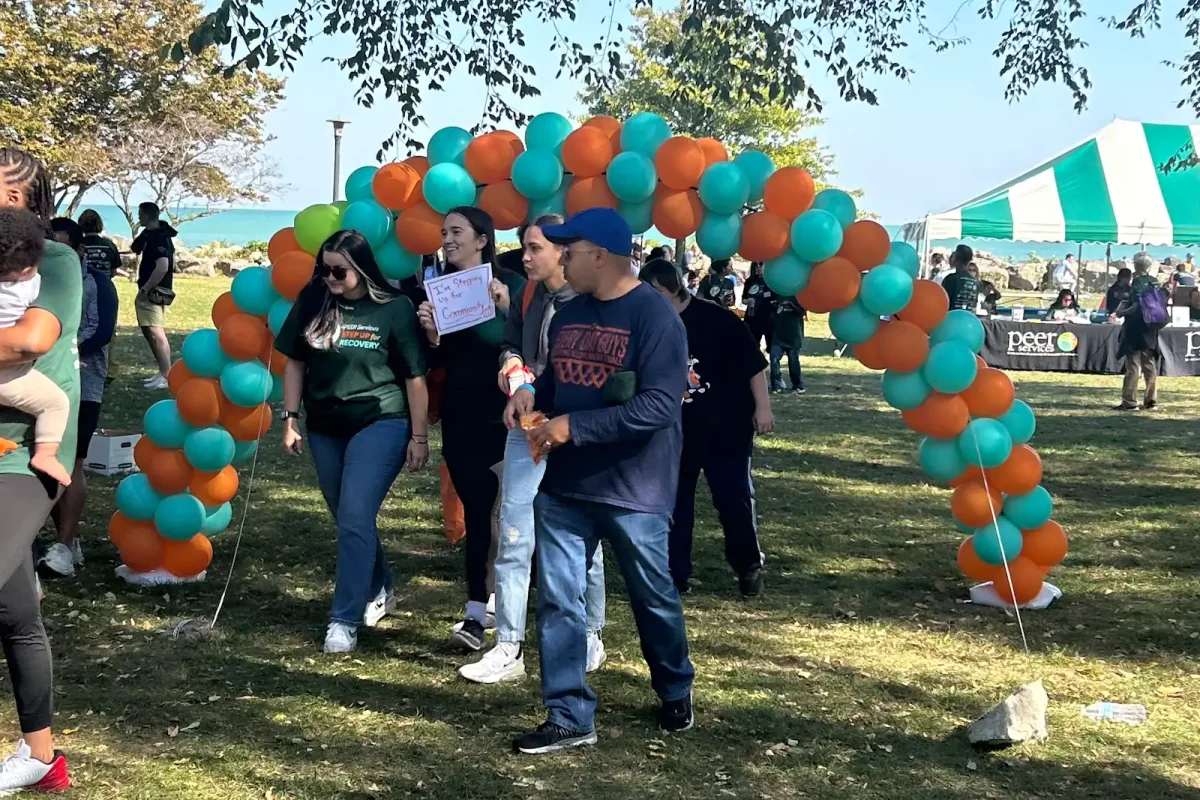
985, 595
155, 577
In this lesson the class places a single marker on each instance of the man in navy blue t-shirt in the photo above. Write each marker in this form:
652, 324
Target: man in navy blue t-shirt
616, 379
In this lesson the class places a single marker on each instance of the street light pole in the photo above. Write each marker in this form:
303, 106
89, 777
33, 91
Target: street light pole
338, 126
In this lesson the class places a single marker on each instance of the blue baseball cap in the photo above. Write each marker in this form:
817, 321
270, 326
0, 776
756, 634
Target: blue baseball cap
603, 227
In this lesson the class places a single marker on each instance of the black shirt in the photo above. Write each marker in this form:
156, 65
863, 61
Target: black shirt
722, 358
100, 254
759, 299
1117, 294
720, 289
963, 291
153, 244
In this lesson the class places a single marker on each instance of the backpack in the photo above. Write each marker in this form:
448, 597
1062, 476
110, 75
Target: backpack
1153, 306
527, 297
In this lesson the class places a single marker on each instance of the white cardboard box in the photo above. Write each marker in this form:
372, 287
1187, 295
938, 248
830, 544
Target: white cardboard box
111, 452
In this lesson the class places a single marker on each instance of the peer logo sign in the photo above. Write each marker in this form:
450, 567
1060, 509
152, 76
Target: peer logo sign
1039, 343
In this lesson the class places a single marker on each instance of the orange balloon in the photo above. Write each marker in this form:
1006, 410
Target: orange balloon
224, 308
246, 424
789, 192
284, 241
170, 472
869, 353
397, 186
507, 206
142, 548
677, 214
990, 394
1020, 473
489, 159
242, 337
121, 527
866, 243
976, 506
1026, 579
973, 473
928, 307
980, 363
144, 452
835, 282
611, 128
187, 559
714, 151
199, 402
680, 162
811, 302
588, 193
419, 163
214, 488
292, 272
419, 229
764, 236
903, 347
942, 416
1045, 545
586, 152
514, 142
972, 565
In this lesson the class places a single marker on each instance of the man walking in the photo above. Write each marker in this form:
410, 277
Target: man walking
617, 374
1139, 335
155, 277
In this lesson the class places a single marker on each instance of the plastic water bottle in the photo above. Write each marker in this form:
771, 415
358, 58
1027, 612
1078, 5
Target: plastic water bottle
1115, 712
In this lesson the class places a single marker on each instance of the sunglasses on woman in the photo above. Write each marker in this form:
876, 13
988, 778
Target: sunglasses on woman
327, 271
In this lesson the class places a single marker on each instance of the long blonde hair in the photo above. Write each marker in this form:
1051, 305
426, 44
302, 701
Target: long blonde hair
324, 329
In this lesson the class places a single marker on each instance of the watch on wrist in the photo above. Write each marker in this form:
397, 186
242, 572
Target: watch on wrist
286, 415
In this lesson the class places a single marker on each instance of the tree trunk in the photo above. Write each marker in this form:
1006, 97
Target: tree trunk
680, 250
77, 200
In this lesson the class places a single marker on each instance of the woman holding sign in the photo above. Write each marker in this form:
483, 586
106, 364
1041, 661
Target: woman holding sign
354, 358
473, 434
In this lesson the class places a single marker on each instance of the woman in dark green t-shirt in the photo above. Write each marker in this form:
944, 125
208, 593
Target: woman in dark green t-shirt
355, 360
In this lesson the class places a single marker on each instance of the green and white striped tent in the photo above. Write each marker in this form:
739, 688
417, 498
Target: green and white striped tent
1113, 188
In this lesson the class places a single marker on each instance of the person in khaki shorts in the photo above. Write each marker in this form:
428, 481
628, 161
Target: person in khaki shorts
22, 244
156, 273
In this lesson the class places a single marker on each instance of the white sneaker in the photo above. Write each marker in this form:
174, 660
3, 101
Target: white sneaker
22, 771
157, 382
341, 638
489, 623
595, 651
77, 553
59, 559
501, 664
380, 607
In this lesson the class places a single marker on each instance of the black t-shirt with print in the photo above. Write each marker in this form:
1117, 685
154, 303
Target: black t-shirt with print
100, 254
759, 300
722, 358
963, 291
718, 289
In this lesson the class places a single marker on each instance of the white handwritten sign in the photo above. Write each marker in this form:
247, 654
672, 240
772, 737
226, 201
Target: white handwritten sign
461, 299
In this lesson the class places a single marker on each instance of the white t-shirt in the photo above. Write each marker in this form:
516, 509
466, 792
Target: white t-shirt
16, 297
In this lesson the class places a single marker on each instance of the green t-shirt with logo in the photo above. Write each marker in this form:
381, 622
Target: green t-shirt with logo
361, 379
61, 295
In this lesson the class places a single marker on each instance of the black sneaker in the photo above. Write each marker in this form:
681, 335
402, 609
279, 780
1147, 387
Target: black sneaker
750, 582
799, 390
550, 738
1124, 407
1150, 405
676, 716
684, 589
470, 636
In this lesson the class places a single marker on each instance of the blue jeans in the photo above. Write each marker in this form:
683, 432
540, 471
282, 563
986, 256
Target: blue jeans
793, 355
515, 552
568, 534
355, 474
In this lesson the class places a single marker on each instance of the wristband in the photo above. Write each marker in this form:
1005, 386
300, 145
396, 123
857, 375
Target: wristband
528, 386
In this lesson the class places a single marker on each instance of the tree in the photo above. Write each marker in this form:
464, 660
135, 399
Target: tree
81, 79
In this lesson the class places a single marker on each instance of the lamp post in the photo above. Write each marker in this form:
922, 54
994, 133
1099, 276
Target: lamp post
338, 126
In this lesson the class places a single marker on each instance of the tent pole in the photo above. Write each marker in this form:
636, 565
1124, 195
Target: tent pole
925, 250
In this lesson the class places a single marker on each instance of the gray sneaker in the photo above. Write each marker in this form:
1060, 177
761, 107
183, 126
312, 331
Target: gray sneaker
59, 560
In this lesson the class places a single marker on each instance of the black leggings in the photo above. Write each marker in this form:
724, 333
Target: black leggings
470, 449
26, 502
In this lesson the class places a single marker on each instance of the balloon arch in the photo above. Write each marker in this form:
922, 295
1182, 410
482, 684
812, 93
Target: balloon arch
814, 247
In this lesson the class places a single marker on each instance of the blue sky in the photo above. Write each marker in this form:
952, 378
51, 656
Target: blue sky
940, 138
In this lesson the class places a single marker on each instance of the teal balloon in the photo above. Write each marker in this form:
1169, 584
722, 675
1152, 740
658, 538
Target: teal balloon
547, 131
886, 289
202, 353
644, 133
278, 315
837, 203
985, 443
853, 324
448, 146
537, 174
246, 383
998, 542
372, 220
816, 235
959, 326
951, 367
179, 517
136, 498
904, 391
555, 203
640, 216
1019, 421
940, 459
394, 261
315, 224
720, 235
209, 449
904, 256
787, 275
757, 167
448, 186
276, 390
217, 519
243, 452
252, 291
632, 177
358, 185
164, 426
963, 528
1028, 511
724, 188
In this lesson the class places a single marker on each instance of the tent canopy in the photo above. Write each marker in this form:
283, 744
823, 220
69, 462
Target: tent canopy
1121, 186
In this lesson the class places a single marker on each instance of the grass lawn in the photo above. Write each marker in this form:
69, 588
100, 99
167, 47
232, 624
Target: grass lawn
862, 660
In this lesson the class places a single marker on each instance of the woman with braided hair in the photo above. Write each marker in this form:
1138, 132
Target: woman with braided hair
45, 334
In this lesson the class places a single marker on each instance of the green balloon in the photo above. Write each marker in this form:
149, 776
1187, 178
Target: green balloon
136, 498
209, 449
985, 443
837, 203
904, 391
720, 235
395, 262
941, 459
179, 517
315, 224
359, 186
997, 543
640, 216
959, 325
448, 145
243, 452
370, 219
1029, 511
886, 289
788, 274
951, 367
217, 519
644, 133
1019, 421
547, 131
555, 203
447, 186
